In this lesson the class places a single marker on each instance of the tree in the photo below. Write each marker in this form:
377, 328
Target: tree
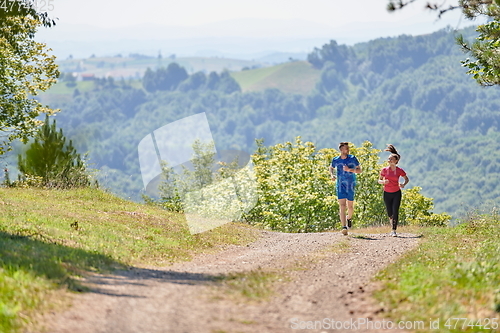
149, 80
195, 81
26, 68
25, 8
164, 78
175, 75
339, 56
54, 160
227, 84
486, 68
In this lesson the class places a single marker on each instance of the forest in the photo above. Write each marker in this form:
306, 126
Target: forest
410, 91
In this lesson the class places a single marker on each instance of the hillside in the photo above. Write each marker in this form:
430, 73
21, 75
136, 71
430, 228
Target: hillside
298, 77
410, 91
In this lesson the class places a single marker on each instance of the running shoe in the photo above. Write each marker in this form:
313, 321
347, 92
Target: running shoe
344, 230
393, 233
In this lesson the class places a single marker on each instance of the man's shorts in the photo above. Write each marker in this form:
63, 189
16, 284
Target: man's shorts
345, 190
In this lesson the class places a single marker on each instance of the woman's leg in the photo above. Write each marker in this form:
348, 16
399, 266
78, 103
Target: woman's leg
388, 203
396, 203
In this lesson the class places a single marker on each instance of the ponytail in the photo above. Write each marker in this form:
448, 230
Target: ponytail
393, 151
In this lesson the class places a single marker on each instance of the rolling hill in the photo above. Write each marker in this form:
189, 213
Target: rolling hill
296, 77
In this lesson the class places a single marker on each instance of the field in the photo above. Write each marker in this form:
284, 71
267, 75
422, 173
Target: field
297, 77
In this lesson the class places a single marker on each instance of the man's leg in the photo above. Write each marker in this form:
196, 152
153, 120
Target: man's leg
342, 206
350, 209
350, 204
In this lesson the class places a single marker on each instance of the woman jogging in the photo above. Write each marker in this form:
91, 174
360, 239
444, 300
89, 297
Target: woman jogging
347, 167
389, 177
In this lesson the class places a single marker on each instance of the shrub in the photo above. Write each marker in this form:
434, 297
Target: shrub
288, 189
295, 192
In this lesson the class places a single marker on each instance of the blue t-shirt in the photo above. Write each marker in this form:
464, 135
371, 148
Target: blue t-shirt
351, 161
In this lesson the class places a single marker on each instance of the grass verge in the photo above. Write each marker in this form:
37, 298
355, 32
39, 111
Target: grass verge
50, 238
451, 279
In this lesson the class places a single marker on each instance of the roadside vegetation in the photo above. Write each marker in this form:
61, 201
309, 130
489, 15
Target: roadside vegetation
452, 278
51, 238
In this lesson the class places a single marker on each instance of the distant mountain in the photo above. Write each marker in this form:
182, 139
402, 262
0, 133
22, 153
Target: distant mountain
241, 38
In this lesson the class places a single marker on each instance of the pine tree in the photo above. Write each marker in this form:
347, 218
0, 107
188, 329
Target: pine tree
55, 161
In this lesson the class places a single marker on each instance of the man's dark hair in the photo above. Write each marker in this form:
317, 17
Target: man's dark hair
342, 144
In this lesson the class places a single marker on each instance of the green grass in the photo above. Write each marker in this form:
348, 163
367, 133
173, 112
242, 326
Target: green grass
48, 239
60, 92
60, 88
256, 285
453, 273
297, 77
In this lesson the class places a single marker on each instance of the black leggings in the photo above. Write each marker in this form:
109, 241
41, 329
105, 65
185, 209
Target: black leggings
392, 202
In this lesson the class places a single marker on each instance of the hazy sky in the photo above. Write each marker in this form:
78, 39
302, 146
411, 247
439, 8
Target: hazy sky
120, 13
124, 26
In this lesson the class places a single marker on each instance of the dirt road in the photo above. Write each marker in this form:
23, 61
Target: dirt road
331, 293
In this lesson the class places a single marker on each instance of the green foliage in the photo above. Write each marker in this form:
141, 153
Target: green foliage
369, 205
55, 162
339, 56
486, 68
174, 187
417, 210
207, 190
26, 68
453, 273
295, 193
171, 194
164, 78
23, 9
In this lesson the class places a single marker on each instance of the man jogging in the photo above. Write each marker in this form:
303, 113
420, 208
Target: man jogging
347, 167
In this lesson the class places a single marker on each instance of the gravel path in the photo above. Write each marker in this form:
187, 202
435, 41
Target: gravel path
179, 298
